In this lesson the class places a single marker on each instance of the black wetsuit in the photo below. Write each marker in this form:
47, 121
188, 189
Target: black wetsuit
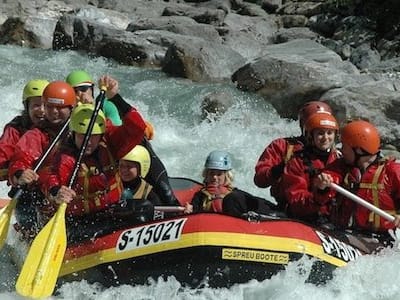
157, 176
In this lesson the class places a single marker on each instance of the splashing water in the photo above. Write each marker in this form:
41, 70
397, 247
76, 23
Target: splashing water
182, 141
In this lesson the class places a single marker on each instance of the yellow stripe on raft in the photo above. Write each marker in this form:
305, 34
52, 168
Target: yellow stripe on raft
224, 239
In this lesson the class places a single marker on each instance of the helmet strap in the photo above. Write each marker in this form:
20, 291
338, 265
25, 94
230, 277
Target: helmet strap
26, 106
358, 154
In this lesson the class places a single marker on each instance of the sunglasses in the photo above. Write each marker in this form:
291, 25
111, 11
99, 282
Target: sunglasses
82, 88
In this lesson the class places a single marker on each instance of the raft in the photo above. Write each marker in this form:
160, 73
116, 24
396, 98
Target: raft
206, 248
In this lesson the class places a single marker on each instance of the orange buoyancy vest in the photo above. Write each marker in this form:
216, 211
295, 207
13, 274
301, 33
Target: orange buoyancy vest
214, 195
98, 184
376, 188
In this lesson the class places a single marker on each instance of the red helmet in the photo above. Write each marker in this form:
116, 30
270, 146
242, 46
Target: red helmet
311, 108
361, 134
321, 119
59, 93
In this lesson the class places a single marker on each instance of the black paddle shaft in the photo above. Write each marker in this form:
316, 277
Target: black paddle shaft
51, 146
98, 105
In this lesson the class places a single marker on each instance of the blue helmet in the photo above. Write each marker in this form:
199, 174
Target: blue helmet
218, 160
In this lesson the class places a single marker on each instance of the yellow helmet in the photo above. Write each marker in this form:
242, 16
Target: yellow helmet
80, 119
34, 88
140, 155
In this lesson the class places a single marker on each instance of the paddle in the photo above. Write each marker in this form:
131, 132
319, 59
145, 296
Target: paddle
42, 265
169, 208
362, 202
6, 214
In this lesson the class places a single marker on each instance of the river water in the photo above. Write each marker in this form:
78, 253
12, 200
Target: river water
182, 141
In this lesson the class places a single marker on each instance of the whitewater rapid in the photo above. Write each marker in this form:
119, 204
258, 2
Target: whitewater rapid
183, 140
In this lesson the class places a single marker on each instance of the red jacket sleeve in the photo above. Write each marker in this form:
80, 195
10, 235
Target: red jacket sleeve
28, 149
8, 141
303, 198
273, 155
58, 173
393, 182
121, 139
336, 170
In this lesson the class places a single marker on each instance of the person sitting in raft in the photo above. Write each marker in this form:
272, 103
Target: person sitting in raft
98, 185
58, 99
219, 194
272, 162
157, 175
365, 172
83, 86
31, 116
321, 130
138, 198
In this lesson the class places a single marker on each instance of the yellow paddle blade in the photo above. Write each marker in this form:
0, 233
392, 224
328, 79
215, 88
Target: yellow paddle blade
5, 218
40, 271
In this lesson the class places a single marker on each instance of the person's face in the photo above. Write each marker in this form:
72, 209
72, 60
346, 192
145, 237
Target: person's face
128, 170
216, 177
56, 114
92, 145
84, 93
323, 138
348, 154
35, 109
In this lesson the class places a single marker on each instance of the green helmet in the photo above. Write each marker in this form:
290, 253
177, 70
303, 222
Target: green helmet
34, 88
78, 77
140, 155
80, 118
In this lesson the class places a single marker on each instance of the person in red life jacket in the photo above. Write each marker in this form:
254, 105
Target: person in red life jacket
363, 171
219, 194
320, 131
31, 116
98, 185
138, 198
83, 85
59, 99
270, 165
157, 175
218, 182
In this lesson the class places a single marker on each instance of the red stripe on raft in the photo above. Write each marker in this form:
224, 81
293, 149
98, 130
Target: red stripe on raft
212, 223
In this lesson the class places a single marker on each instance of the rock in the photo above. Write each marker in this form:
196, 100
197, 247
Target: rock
191, 58
364, 57
248, 35
291, 73
288, 34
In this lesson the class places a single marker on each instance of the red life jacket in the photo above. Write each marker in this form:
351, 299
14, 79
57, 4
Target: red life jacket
214, 195
98, 184
276, 154
377, 188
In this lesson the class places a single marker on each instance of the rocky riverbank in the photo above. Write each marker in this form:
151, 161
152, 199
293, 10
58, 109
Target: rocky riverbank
344, 51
